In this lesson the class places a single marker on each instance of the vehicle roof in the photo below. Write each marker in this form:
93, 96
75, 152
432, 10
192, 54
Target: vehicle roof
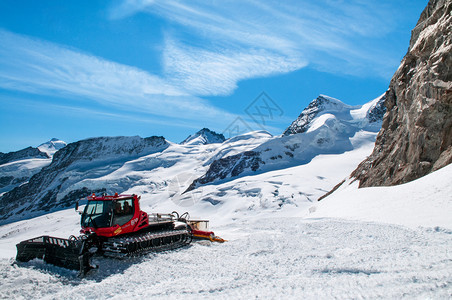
110, 197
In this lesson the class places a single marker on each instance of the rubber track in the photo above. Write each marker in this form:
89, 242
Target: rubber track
123, 247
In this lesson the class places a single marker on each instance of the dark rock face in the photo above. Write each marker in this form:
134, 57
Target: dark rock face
52, 188
376, 113
29, 152
229, 166
10, 180
416, 135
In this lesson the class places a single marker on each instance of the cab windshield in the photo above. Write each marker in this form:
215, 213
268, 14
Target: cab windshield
97, 214
101, 214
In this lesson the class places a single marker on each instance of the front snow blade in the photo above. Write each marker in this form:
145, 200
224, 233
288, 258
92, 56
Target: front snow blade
70, 254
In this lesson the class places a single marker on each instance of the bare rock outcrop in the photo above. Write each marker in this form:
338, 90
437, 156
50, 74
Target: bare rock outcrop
416, 135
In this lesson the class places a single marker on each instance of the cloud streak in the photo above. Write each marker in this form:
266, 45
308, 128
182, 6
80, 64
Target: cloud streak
229, 38
39, 67
204, 72
208, 47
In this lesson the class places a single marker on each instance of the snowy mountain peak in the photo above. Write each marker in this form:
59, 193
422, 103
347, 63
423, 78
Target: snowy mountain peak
322, 103
52, 146
323, 108
325, 101
203, 137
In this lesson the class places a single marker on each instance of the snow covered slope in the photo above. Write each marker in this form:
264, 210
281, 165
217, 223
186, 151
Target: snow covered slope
426, 201
314, 257
117, 165
288, 190
16, 168
277, 231
16, 173
163, 169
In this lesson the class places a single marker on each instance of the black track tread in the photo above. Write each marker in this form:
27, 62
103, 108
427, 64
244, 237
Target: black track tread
120, 247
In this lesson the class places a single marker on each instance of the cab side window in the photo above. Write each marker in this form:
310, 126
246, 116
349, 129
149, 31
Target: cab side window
123, 211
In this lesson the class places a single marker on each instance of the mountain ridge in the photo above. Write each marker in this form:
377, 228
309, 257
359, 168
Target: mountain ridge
324, 127
17, 167
26, 153
50, 188
119, 164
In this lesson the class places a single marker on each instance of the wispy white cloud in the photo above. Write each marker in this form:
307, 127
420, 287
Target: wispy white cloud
39, 67
209, 47
204, 72
72, 79
328, 34
223, 43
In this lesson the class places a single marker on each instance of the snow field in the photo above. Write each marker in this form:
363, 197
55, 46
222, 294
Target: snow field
269, 254
264, 258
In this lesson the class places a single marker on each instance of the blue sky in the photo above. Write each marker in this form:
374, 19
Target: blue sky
79, 69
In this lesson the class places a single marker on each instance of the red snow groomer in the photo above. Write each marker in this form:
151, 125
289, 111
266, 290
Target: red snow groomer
114, 226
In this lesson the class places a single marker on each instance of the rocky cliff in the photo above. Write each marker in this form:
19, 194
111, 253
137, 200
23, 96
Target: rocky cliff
416, 135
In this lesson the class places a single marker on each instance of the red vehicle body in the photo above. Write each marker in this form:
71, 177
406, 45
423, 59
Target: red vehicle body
109, 216
114, 226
